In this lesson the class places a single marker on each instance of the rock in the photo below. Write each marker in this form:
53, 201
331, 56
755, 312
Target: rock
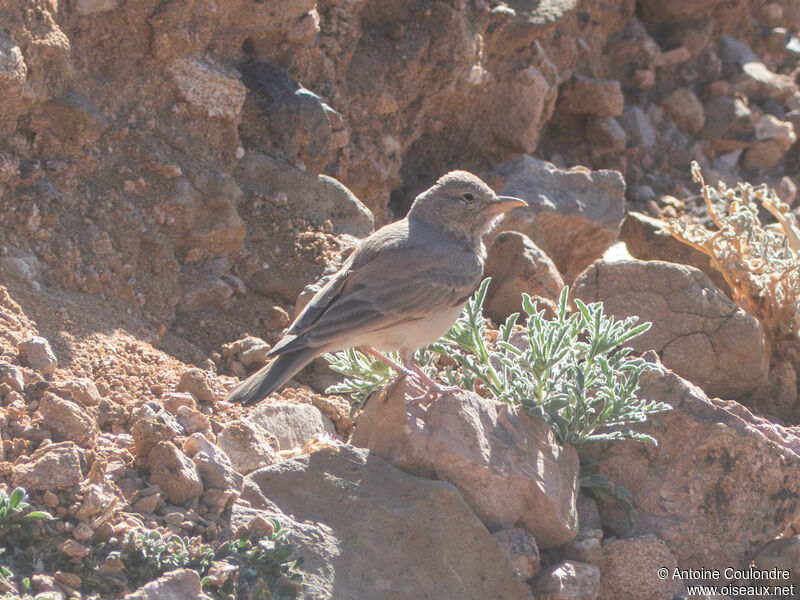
763, 156
728, 124
210, 85
193, 420
172, 401
506, 464
629, 566
89, 7
638, 127
783, 554
676, 11
354, 496
11, 376
146, 433
36, 352
685, 109
719, 484
181, 584
292, 424
567, 581
73, 549
755, 79
697, 330
250, 351
587, 209
285, 119
584, 548
248, 445
16, 99
212, 463
521, 548
607, 133
202, 215
769, 127
317, 198
81, 390
641, 237
175, 473
53, 467
195, 382
587, 96
74, 119
67, 421
517, 265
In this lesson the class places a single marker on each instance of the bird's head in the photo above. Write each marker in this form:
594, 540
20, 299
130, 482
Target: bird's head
460, 203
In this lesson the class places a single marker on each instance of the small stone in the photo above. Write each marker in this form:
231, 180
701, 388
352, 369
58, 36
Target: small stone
67, 420
193, 420
11, 376
674, 57
82, 390
248, 445
214, 87
638, 127
643, 79
584, 548
292, 424
173, 518
175, 473
769, 127
147, 503
587, 96
36, 352
181, 584
146, 433
685, 109
763, 156
73, 549
521, 549
49, 499
83, 532
172, 401
89, 7
53, 467
195, 382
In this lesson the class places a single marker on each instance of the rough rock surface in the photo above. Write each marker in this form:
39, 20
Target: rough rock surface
629, 570
506, 464
67, 421
345, 505
584, 209
37, 353
697, 330
51, 467
248, 445
175, 473
292, 425
720, 483
516, 266
181, 584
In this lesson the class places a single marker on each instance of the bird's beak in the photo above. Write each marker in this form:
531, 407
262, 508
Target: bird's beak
503, 204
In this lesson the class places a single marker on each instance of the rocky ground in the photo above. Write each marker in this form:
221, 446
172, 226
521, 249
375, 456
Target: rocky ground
173, 175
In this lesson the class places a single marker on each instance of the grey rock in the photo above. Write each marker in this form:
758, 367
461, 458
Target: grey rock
292, 424
175, 473
364, 527
53, 467
521, 548
36, 352
638, 127
697, 330
248, 445
585, 210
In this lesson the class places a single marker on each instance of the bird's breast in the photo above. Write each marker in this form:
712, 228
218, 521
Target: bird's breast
409, 336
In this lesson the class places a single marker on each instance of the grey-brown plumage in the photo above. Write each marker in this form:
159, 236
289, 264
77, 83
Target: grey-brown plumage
401, 289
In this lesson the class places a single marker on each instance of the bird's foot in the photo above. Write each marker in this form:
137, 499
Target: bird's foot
433, 387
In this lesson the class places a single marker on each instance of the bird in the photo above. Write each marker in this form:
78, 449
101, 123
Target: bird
402, 288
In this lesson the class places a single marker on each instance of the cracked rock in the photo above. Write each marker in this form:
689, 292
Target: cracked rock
697, 330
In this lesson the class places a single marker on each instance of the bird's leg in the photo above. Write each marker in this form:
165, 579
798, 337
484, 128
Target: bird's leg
430, 383
401, 370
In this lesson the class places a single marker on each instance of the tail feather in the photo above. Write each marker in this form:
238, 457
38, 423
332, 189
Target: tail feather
269, 378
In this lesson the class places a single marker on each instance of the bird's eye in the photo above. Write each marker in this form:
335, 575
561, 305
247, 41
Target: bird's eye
468, 197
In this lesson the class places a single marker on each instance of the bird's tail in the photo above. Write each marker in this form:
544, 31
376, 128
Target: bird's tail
269, 378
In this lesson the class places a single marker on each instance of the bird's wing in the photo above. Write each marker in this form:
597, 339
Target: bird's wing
386, 289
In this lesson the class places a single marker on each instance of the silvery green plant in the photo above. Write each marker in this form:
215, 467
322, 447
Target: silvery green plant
573, 371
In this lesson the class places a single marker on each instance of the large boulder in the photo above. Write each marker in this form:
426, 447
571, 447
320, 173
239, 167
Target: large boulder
719, 484
366, 528
697, 330
507, 464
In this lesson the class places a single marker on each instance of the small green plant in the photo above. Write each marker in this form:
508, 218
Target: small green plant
266, 568
15, 513
572, 371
